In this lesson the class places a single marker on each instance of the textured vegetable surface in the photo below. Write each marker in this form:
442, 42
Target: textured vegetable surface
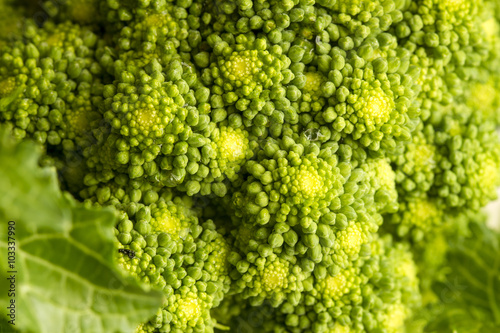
67, 279
271, 166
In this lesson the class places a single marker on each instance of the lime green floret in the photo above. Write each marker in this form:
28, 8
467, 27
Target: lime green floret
78, 118
485, 97
349, 242
415, 168
312, 98
338, 328
356, 6
422, 213
371, 105
54, 72
376, 107
491, 28
171, 218
189, 266
241, 67
446, 172
312, 86
7, 86
381, 171
334, 287
381, 285
147, 118
305, 181
418, 215
142, 111
153, 31
275, 276
488, 175
245, 69
162, 131
233, 149
189, 310
394, 318
271, 278
422, 155
452, 163
248, 72
302, 203
291, 181
383, 180
219, 255
458, 8
472, 147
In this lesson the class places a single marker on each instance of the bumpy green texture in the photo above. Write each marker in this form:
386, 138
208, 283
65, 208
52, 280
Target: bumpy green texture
49, 84
163, 243
189, 266
360, 85
384, 277
157, 127
60, 293
276, 165
450, 166
302, 209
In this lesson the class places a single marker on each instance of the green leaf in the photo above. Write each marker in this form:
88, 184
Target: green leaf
66, 277
469, 295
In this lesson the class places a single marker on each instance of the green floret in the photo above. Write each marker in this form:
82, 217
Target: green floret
126, 10
483, 94
377, 292
371, 103
312, 98
485, 97
49, 84
450, 46
245, 78
163, 245
155, 28
463, 158
357, 6
349, 243
418, 215
233, 149
383, 182
7, 86
141, 105
415, 168
247, 70
152, 32
451, 166
301, 204
162, 132
271, 278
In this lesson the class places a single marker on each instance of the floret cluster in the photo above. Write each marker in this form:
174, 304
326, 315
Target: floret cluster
275, 165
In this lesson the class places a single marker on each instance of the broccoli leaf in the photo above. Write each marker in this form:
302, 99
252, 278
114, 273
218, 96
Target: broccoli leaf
470, 293
66, 278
